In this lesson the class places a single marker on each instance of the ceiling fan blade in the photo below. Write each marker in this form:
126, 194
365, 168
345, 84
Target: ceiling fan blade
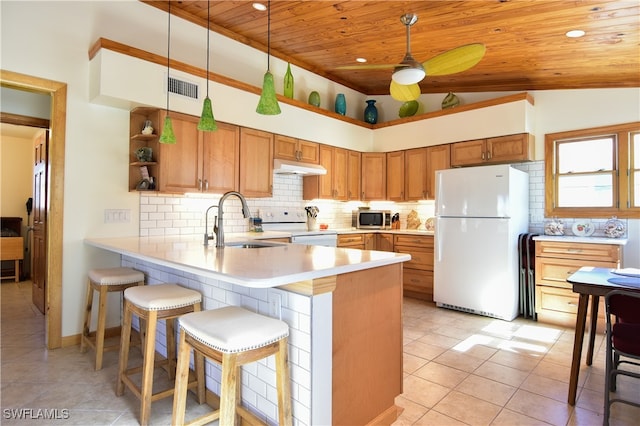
368, 67
404, 93
455, 60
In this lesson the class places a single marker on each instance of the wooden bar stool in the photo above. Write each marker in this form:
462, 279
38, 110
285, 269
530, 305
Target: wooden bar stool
231, 336
152, 303
104, 281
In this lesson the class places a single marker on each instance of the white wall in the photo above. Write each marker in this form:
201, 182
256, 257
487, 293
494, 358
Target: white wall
54, 39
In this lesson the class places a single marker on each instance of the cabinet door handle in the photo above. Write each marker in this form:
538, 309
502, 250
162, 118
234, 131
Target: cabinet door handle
363, 195
206, 185
482, 155
200, 184
488, 155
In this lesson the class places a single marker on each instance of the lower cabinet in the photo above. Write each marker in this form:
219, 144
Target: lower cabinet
358, 241
384, 242
417, 281
555, 261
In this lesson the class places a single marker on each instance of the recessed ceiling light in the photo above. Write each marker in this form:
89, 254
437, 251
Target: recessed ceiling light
575, 33
259, 6
361, 60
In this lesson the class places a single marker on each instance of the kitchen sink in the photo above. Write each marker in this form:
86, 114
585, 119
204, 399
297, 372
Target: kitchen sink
252, 244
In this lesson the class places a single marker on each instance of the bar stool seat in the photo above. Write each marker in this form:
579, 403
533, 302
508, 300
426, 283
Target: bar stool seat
104, 281
152, 303
231, 336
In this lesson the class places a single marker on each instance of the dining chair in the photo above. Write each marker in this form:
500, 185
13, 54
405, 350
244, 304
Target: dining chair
623, 344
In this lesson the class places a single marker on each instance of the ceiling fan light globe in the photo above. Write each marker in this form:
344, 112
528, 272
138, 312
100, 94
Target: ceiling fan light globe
408, 75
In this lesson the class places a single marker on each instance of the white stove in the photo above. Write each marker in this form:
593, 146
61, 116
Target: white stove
294, 221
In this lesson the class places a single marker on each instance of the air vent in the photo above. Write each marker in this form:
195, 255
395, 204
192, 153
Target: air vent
183, 88
471, 311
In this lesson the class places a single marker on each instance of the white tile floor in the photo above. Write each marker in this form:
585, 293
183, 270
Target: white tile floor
460, 369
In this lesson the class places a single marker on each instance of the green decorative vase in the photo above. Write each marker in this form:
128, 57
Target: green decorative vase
314, 99
288, 83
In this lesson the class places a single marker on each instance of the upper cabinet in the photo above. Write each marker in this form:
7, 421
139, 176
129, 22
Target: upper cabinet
374, 176
353, 175
333, 185
502, 149
421, 165
396, 175
139, 118
181, 163
256, 163
287, 148
221, 159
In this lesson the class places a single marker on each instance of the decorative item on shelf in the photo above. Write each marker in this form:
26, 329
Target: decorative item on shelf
408, 109
583, 228
268, 103
148, 128
341, 104
413, 221
314, 99
614, 228
144, 154
288, 83
207, 123
167, 136
371, 112
554, 227
450, 101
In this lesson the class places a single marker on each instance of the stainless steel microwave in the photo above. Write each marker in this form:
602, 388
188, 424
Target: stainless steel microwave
371, 219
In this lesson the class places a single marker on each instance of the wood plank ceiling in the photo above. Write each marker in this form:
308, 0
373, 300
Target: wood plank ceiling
525, 39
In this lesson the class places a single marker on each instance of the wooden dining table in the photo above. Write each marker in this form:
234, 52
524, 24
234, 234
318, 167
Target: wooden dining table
594, 282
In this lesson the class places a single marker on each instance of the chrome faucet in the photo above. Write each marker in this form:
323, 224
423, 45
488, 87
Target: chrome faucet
219, 230
207, 235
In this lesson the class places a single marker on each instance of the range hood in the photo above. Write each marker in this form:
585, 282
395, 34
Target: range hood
286, 167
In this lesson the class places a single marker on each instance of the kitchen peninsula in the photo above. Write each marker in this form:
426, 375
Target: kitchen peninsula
343, 307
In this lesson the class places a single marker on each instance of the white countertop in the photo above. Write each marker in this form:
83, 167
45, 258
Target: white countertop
574, 239
255, 267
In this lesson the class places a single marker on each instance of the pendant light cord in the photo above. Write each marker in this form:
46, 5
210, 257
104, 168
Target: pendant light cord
168, 52
208, 31
268, 34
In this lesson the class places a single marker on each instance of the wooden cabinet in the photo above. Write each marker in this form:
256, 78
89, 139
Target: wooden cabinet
384, 242
417, 279
374, 176
200, 161
181, 163
288, 148
137, 119
220, 159
353, 175
502, 149
395, 175
555, 261
352, 241
256, 163
333, 185
421, 165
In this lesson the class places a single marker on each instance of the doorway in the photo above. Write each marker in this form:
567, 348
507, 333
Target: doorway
55, 190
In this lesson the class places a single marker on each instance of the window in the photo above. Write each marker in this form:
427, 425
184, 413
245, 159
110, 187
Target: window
593, 172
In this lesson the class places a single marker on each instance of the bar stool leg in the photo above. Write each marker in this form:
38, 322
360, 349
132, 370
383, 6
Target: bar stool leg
171, 347
147, 367
87, 318
229, 387
102, 323
182, 378
125, 336
282, 383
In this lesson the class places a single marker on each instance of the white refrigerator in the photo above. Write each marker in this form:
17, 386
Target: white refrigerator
480, 212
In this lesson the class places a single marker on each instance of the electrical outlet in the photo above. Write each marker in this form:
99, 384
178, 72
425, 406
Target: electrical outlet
275, 304
117, 215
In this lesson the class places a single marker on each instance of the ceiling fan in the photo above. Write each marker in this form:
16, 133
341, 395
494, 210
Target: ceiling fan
409, 72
